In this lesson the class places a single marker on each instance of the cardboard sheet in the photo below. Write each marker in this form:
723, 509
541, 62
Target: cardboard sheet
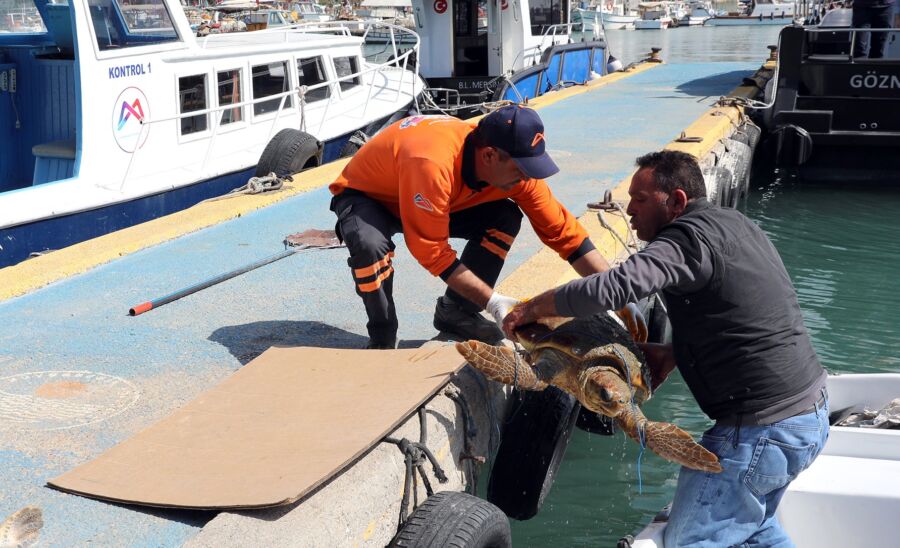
272, 432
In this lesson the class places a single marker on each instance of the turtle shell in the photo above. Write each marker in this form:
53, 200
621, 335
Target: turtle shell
577, 337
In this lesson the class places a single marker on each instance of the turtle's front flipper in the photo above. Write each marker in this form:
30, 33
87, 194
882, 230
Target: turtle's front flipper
670, 442
500, 363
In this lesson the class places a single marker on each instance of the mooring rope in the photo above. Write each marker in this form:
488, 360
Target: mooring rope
255, 185
414, 455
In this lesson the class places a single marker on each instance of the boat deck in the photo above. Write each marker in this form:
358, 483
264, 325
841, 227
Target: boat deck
147, 366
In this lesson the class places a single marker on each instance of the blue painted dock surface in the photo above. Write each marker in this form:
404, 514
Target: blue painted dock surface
142, 368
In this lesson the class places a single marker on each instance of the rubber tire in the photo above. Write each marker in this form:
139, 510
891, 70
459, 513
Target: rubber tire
724, 178
460, 520
290, 151
350, 148
659, 330
532, 448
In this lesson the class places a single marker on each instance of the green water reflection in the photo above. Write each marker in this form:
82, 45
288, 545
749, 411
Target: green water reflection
839, 244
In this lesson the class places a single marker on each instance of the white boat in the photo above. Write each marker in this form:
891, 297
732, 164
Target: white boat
653, 16
118, 114
760, 12
384, 9
850, 496
475, 51
395, 12
697, 14
311, 12
611, 15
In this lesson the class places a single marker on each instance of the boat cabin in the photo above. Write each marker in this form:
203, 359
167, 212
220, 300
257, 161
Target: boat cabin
470, 45
835, 111
119, 109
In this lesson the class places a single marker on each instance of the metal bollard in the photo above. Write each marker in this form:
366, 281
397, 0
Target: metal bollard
654, 55
773, 53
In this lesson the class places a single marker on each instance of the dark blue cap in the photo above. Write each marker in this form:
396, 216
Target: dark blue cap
519, 131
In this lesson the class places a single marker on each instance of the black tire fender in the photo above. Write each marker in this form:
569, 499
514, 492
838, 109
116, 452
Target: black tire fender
290, 151
452, 518
353, 144
532, 448
659, 330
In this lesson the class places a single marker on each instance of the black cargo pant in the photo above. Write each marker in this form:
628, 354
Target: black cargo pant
367, 228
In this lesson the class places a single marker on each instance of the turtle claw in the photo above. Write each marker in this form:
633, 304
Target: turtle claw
501, 364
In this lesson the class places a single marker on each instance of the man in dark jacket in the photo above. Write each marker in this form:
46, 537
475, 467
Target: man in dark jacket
737, 338
876, 14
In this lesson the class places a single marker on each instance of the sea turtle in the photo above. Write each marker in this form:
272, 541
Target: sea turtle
595, 360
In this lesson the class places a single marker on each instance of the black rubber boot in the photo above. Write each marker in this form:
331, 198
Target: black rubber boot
375, 344
452, 319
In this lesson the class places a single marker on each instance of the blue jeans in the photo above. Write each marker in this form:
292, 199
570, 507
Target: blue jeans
737, 506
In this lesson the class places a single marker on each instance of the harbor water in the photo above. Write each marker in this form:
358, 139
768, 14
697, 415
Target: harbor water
839, 246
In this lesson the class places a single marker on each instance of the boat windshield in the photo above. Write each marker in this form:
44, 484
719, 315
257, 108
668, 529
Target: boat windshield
20, 17
127, 23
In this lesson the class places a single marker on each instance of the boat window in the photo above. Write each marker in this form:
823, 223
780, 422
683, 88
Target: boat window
118, 24
20, 17
311, 72
547, 12
270, 79
191, 97
229, 83
345, 66
470, 40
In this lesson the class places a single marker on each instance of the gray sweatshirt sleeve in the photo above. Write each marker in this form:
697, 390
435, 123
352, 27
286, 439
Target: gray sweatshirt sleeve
664, 264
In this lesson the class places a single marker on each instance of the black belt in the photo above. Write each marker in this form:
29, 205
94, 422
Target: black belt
820, 403
748, 420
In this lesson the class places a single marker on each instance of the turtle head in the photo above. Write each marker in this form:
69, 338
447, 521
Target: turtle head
604, 391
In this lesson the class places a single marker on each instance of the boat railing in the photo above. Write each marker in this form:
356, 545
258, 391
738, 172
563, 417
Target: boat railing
402, 60
534, 52
851, 33
551, 32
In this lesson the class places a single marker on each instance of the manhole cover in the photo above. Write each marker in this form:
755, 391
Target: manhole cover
52, 400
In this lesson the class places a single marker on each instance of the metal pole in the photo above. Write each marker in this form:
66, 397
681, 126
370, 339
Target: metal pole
156, 303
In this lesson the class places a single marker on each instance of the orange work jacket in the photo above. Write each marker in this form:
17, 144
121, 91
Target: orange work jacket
414, 168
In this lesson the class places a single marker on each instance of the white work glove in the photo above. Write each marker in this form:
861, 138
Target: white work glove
634, 321
499, 306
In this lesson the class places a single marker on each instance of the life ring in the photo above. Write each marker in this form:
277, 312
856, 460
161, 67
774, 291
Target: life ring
534, 441
290, 151
451, 518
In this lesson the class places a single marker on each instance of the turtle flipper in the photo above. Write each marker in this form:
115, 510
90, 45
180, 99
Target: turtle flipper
670, 442
500, 363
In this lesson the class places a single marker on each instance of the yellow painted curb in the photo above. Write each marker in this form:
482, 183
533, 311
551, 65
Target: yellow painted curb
35, 273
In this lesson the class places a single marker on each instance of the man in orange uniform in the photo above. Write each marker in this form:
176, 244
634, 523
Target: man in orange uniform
437, 177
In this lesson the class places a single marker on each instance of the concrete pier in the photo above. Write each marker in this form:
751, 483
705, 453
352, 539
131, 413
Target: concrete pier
65, 317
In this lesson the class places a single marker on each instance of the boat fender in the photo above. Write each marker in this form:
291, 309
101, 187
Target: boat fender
533, 444
793, 145
290, 151
738, 159
452, 518
659, 330
353, 144
748, 133
614, 65
718, 184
